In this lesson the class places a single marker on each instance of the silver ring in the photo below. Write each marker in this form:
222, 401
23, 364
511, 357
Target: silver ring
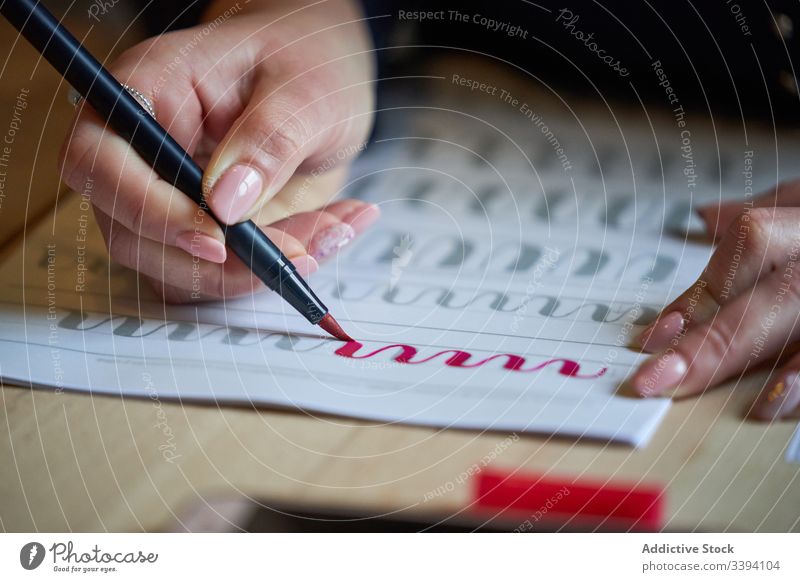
75, 98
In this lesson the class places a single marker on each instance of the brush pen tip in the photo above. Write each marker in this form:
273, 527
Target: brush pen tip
329, 324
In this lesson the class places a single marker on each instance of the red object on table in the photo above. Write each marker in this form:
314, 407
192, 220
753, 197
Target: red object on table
576, 502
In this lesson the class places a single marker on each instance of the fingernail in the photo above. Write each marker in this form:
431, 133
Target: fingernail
780, 400
328, 241
235, 193
305, 265
362, 217
659, 373
661, 332
203, 246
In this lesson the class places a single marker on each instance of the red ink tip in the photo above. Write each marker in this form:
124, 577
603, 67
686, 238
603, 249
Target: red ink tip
329, 324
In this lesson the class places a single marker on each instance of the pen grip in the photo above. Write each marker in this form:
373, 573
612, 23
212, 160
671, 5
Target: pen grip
270, 265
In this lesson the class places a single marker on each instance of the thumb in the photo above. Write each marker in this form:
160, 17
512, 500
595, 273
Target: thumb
275, 133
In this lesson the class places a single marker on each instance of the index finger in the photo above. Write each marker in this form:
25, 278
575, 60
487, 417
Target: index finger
756, 243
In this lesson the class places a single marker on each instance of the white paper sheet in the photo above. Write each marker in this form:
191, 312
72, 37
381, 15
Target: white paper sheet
531, 278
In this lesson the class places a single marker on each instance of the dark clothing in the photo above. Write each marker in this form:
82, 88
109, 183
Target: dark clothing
163, 15
719, 55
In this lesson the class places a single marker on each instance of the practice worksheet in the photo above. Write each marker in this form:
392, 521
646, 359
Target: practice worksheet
518, 253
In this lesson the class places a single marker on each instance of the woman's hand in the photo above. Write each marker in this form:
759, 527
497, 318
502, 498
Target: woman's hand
743, 310
273, 98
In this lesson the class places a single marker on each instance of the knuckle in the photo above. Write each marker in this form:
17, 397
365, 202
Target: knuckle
214, 282
131, 60
115, 246
242, 286
168, 293
740, 226
121, 247
281, 136
760, 225
749, 232
719, 278
160, 289
174, 295
716, 338
134, 218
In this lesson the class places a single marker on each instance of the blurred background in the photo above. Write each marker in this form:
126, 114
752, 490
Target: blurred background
31, 183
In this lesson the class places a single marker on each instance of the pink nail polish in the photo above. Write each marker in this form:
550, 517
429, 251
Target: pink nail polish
305, 265
659, 373
330, 240
781, 399
201, 245
362, 217
661, 332
236, 192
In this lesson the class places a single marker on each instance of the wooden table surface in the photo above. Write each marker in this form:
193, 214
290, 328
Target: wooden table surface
84, 463
81, 462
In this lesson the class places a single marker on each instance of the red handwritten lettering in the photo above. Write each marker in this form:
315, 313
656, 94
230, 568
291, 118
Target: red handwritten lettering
460, 359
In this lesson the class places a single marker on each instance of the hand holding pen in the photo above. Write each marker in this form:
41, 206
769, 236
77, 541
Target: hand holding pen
273, 116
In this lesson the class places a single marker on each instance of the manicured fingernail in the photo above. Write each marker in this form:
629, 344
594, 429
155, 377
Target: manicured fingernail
362, 217
236, 192
781, 399
328, 241
305, 265
203, 246
659, 373
661, 332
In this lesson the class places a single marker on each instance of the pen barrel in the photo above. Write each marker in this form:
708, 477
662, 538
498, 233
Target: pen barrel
151, 141
279, 273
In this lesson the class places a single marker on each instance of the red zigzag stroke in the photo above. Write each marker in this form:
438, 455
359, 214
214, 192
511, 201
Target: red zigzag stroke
460, 359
